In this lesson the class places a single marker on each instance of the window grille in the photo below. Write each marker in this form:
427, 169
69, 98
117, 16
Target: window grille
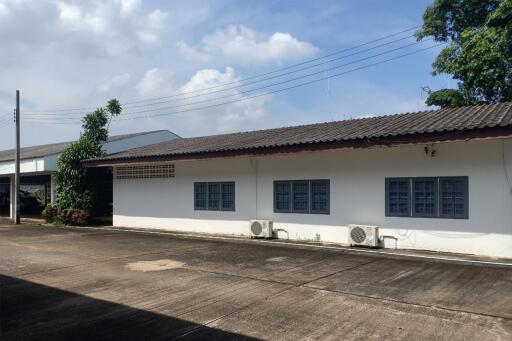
437, 197
302, 196
214, 196
164, 171
424, 197
398, 197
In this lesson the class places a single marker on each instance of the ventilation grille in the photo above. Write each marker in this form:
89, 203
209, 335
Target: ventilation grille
145, 172
358, 235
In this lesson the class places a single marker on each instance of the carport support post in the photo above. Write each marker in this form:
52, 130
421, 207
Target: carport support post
17, 163
11, 197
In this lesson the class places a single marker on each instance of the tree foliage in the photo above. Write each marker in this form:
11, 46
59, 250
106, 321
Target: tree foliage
479, 50
74, 184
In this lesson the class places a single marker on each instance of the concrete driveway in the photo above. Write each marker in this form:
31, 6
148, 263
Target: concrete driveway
79, 284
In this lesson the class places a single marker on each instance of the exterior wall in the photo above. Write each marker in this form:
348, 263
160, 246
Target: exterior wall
26, 166
50, 161
357, 196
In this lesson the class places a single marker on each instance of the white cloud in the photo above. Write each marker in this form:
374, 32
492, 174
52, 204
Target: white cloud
147, 37
232, 116
157, 18
208, 78
114, 83
246, 46
127, 7
3, 9
240, 113
155, 83
110, 27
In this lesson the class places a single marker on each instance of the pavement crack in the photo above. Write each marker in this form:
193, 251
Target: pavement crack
337, 272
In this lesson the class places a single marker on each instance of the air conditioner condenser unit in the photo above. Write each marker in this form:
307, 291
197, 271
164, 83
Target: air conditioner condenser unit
363, 235
260, 228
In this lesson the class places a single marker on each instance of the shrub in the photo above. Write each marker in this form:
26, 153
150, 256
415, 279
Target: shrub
72, 216
50, 213
78, 217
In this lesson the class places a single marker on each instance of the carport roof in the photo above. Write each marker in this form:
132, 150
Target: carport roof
56, 148
416, 127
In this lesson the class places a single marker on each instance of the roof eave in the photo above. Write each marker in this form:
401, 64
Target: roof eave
434, 137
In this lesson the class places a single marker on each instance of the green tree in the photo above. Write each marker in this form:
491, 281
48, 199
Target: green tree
74, 184
479, 50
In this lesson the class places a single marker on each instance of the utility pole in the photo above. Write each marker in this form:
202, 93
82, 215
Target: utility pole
16, 205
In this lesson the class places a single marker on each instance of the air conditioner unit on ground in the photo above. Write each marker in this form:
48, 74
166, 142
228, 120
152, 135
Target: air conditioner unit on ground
260, 228
365, 235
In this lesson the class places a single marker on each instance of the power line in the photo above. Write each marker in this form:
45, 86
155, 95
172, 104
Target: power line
6, 121
243, 85
270, 92
244, 79
250, 90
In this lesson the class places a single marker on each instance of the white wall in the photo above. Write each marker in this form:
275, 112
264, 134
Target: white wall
26, 166
50, 161
357, 196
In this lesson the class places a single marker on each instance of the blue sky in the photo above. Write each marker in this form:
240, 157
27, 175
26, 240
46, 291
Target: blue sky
73, 54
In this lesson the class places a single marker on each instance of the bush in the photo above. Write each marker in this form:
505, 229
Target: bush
78, 217
73, 216
50, 213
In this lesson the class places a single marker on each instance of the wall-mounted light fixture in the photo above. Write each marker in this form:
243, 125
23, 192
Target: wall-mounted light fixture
430, 151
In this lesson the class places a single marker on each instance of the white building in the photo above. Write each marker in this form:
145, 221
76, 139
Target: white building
435, 180
38, 163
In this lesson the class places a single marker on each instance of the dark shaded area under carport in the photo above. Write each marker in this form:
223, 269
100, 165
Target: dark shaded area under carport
35, 194
34, 311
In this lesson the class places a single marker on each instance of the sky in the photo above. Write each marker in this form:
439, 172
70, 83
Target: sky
74, 54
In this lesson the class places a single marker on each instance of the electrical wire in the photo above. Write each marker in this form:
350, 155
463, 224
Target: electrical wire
265, 93
250, 90
243, 85
244, 79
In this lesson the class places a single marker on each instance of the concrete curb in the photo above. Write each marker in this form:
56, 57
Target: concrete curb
296, 245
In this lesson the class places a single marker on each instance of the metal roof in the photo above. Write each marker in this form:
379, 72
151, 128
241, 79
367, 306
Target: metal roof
415, 124
56, 148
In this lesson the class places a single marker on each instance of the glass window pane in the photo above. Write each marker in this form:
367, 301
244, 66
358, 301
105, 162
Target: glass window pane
425, 197
300, 190
282, 195
200, 195
228, 196
453, 197
320, 196
398, 197
214, 196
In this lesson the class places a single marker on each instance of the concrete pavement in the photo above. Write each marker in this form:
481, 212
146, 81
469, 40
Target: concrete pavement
64, 283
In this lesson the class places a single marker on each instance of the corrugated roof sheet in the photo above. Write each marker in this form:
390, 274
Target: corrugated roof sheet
442, 120
56, 148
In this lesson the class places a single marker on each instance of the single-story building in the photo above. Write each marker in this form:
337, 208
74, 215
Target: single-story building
433, 180
39, 163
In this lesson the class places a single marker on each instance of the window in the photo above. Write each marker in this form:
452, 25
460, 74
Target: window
200, 190
282, 194
320, 196
214, 196
228, 196
397, 197
435, 197
424, 197
453, 197
300, 190
302, 196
